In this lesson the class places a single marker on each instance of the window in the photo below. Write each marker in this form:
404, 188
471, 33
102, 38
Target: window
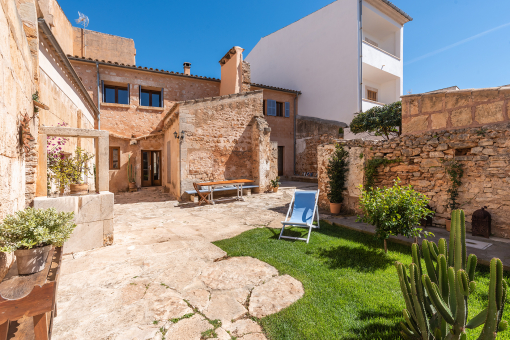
372, 95
114, 158
151, 98
264, 107
116, 94
279, 109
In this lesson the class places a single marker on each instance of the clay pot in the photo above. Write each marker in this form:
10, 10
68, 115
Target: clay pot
31, 261
448, 225
334, 208
79, 189
132, 185
275, 189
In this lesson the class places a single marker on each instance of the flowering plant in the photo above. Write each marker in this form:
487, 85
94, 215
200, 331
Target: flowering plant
31, 228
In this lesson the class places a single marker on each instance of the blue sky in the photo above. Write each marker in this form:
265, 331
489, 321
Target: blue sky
168, 33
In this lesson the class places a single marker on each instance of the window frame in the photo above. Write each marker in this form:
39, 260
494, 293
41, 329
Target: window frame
264, 107
373, 91
280, 110
111, 157
116, 88
151, 92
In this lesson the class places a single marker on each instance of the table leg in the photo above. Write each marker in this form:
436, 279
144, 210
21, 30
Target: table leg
41, 327
212, 196
241, 186
4, 328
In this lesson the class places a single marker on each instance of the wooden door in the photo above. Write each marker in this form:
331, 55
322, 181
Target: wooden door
151, 168
280, 160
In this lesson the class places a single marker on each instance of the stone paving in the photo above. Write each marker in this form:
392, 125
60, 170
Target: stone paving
164, 279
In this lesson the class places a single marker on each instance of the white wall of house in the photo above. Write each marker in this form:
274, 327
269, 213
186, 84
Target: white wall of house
317, 55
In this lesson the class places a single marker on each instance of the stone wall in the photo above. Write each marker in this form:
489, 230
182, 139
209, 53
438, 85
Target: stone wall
483, 154
224, 138
310, 133
102, 46
454, 109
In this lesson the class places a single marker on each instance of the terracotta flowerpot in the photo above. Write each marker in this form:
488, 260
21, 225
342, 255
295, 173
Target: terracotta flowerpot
132, 187
448, 225
31, 261
79, 189
334, 208
275, 189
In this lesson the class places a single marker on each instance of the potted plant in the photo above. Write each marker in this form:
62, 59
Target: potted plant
131, 174
337, 169
31, 233
275, 183
79, 169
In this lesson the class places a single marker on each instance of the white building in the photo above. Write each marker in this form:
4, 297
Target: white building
345, 58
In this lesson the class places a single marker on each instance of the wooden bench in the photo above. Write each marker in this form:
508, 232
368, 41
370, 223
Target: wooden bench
28, 302
193, 192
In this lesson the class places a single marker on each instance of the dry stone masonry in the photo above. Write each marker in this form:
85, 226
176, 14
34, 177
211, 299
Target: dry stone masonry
482, 152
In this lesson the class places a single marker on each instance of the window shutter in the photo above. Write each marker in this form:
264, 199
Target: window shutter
102, 91
162, 102
129, 94
140, 95
271, 107
287, 109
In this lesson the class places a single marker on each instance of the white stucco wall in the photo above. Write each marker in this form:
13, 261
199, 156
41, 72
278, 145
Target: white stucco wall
49, 65
317, 55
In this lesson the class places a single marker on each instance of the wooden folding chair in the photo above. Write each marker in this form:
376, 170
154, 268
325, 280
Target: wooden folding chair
304, 212
201, 195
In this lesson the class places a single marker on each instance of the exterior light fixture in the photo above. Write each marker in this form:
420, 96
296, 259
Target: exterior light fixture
175, 134
179, 135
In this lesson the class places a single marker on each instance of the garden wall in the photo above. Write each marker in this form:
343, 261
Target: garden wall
482, 152
454, 108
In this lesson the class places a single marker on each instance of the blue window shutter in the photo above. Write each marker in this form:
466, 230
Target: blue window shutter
287, 109
271, 107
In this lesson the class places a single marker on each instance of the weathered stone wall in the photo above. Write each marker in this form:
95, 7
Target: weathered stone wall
132, 148
454, 109
484, 155
310, 133
225, 138
102, 46
246, 76
17, 83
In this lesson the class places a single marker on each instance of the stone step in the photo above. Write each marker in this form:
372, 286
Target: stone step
158, 188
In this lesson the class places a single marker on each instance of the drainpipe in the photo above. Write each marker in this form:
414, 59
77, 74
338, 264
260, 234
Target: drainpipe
295, 129
360, 53
98, 97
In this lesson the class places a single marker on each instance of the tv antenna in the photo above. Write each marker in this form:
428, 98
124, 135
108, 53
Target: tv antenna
82, 20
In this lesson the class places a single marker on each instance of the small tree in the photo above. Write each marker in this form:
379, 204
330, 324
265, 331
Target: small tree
337, 173
394, 211
379, 120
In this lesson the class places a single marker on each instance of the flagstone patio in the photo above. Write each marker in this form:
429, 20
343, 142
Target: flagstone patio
164, 279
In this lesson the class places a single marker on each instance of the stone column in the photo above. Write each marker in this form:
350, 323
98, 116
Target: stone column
41, 189
102, 163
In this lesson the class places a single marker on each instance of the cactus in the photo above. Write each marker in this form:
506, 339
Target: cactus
131, 171
437, 302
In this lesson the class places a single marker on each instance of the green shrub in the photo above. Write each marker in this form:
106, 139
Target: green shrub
394, 211
337, 172
379, 120
35, 228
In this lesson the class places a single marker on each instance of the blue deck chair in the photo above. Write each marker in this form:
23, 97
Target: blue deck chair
304, 209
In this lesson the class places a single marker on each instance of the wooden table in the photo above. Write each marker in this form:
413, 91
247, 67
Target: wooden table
238, 183
28, 302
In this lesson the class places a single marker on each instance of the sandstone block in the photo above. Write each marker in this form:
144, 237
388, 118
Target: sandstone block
437, 154
489, 151
407, 168
85, 236
413, 106
430, 103
463, 145
275, 295
454, 100
486, 142
190, 328
427, 163
438, 120
478, 149
242, 327
224, 307
489, 113
461, 117
484, 95
442, 147
416, 124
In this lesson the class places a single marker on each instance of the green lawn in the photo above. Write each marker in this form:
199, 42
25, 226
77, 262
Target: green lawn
351, 286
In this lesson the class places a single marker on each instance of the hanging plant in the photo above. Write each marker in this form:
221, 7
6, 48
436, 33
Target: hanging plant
371, 170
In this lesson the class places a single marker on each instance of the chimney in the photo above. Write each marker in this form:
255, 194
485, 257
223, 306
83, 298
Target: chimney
232, 71
187, 68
